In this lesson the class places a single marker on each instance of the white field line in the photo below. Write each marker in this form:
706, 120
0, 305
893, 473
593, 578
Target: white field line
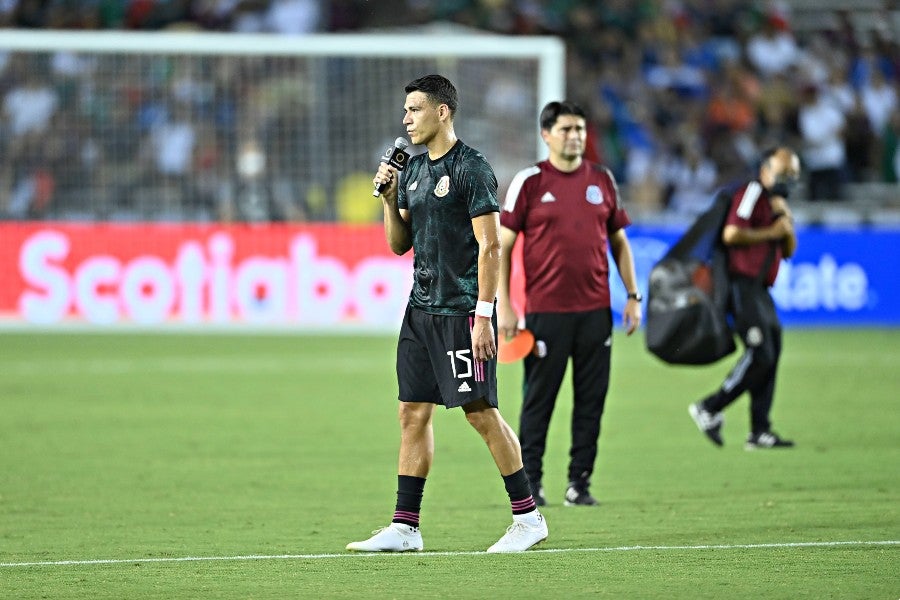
356, 555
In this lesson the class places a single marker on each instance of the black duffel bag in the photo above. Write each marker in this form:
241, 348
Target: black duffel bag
685, 326
687, 297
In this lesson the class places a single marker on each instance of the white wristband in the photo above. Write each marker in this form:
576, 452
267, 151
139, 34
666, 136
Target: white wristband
484, 309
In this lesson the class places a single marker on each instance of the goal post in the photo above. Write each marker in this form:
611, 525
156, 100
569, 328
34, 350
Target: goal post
215, 127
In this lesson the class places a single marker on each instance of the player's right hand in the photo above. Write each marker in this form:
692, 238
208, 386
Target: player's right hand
783, 227
387, 174
483, 346
780, 205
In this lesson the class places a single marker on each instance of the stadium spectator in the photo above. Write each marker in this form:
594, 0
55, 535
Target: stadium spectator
837, 90
155, 14
889, 151
293, 17
879, 100
168, 155
858, 135
8, 9
673, 73
772, 49
253, 193
31, 14
822, 129
776, 109
242, 16
567, 300
689, 178
29, 108
456, 245
729, 108
758, 232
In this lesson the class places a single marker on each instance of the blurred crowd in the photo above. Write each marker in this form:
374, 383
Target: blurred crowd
683, 95
132, 137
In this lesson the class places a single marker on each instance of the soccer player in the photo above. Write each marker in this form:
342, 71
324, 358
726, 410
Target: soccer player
758, 232
568, 212
444, 207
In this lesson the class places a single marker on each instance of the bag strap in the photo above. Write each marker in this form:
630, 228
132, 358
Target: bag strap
710, 220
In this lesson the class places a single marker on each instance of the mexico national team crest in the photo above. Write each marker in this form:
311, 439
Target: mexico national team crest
593, 194
443, 186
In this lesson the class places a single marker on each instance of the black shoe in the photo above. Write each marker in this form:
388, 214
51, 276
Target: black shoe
766, 439
707, 422
577, 495
537, 492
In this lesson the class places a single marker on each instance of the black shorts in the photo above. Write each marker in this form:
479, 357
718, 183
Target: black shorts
435, 364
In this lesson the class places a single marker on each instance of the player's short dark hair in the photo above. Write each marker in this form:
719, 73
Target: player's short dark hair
438, 89
767, 154
770, 152
553, 110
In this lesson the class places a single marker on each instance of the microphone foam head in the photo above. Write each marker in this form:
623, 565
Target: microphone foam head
401, 143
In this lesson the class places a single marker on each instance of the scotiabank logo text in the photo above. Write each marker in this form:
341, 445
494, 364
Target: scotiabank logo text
207, 283
826, 285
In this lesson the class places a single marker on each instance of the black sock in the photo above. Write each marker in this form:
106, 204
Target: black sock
519, 491
409, 499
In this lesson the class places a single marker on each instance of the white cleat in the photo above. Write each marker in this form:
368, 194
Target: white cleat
522, 535
396, 537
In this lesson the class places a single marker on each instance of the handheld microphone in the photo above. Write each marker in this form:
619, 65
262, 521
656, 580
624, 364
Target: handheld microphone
396, 157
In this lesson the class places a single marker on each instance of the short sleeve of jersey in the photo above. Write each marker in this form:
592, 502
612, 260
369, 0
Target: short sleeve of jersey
746, 209
618, 218
478, 183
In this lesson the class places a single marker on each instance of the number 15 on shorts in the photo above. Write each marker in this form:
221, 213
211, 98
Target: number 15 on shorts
460, 357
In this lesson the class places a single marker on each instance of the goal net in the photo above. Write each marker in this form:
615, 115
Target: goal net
203, 127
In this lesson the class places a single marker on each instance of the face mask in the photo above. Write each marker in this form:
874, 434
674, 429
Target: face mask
783, 187
251, 163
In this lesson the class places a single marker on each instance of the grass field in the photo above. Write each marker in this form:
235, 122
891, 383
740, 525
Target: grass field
259, 457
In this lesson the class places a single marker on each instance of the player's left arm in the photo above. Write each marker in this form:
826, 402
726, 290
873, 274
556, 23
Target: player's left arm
487, 233
621, 251
782, 212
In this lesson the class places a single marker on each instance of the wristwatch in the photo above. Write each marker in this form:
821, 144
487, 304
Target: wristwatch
635, 296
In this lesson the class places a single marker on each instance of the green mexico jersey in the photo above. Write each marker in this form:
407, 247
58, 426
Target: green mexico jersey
442, 197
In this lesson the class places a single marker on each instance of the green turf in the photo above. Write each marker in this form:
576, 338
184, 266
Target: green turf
136, 447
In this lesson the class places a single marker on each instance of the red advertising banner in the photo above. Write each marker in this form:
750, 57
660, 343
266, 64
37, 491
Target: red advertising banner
147, 274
